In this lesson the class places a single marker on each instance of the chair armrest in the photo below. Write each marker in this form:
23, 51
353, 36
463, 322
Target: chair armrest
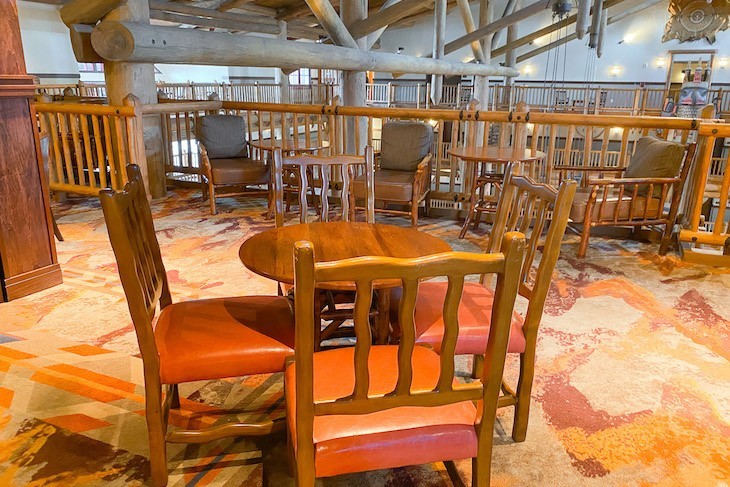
625, 181
205, 162
421, 179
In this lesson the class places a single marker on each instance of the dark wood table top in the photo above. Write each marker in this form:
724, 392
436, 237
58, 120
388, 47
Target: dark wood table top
271, 253
494, 154
290, 145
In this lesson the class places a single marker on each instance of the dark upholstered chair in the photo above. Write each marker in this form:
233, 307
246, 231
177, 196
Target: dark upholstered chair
225, 160
638, 197
403, 176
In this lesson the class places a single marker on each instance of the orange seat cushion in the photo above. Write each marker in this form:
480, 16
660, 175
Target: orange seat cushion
228, 337
385, 439
475, 314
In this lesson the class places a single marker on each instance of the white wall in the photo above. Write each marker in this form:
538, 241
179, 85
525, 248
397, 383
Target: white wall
641, 34
46, 43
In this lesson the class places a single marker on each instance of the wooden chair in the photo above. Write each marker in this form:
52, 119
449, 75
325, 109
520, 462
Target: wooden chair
541, 212
226, 163
192, 340
638, 198
371, 407
332, 173
403, 176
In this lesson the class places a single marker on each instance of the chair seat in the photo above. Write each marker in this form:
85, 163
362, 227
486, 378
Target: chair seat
357, 443
228, 337
239, 170
389, 185
475, 314
578, 210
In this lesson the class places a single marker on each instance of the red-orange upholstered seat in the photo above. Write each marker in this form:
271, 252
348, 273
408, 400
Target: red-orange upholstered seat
475, 312
356, 443
228, 337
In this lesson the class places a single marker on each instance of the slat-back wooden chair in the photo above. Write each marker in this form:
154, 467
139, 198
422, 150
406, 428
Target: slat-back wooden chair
189, 341
541, 212
385, 406
333, 172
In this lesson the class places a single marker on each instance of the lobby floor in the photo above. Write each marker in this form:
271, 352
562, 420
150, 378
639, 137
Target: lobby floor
632, 384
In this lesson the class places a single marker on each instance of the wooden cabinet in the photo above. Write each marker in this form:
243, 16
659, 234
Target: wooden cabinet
28, 260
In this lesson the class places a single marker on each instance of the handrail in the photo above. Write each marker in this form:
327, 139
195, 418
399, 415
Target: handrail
85, 109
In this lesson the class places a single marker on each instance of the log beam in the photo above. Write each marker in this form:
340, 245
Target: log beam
439, 39
583, 18
133, 42
602, 33
333, 25
354, 81
595, 23
81, 44
469, 25
493, 27
387, 16
568, 21
87, 11
508, 9
374, 36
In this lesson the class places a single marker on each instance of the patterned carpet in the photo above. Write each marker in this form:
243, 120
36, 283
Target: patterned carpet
632, 387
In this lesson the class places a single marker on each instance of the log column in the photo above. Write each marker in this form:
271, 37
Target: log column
353, 82
280, 77
123, 79
510, 57
439, 40
481, 83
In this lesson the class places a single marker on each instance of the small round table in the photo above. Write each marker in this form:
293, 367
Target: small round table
290, 146
271, 253
477, 179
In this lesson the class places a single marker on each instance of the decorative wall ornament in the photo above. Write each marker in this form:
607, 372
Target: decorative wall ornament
692, 20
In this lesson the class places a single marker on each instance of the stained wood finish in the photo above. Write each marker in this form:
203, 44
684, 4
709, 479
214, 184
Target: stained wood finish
269, 253
497, 155
142, 273
364, 273
28, 260
332, 172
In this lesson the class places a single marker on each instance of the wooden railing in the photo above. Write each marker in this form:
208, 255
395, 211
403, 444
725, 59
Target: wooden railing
706, 238
87, 147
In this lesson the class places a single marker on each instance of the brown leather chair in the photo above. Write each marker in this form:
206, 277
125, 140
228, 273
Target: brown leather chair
520, 196
638, 196
371, 407
226, 165
403, 176
191, 341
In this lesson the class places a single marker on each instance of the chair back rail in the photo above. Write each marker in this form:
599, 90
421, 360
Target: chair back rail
340, 169
541, 212
141, 270
364, 271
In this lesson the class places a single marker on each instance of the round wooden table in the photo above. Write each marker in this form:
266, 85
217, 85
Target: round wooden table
291, 146
271, 253
477, 178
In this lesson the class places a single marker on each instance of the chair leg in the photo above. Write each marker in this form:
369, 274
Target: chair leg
156, 435
481, 468
414, 214
175, 403
524, 390
427, 204
585, 235
211, 198
477, 368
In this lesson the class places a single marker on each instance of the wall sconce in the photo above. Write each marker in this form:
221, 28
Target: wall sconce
722, 62
615, 70
661, 62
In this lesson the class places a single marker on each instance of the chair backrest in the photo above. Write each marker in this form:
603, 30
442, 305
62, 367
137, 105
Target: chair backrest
541, 213
340, 169
223, 136
139, 262
364, 271
404, 144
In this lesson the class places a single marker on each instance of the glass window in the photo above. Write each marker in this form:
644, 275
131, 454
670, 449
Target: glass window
301, 76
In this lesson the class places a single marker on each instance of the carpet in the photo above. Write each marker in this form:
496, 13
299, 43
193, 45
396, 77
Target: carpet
632, 384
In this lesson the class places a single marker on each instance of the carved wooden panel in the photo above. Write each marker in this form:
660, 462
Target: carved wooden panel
692, 20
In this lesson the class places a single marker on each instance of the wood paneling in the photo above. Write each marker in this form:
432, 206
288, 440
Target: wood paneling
27, 253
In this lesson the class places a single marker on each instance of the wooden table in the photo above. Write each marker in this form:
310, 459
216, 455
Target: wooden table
478, 178
271, 253
290, 146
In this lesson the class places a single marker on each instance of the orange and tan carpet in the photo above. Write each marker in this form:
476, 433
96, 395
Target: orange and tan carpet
632, 386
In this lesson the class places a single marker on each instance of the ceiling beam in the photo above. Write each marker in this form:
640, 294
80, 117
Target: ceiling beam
332, 23
468, 19
387, 16
497, 25
132, 42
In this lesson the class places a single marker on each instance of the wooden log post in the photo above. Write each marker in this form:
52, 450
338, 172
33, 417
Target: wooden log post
439, 40
470, 27
510, 58
138, 79
327, 16
601, 33
583, 18
481, 83
595, 24
280, 77
354, 82
508, 10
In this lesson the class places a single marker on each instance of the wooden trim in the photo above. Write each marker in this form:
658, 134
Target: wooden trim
33, 281
16, 86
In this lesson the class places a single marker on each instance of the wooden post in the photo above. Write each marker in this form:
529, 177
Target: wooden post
508, 9
582, 19
601, 33
595, 24
281, 78
137, 145
138, 79
481, 83
469, 25
327, 16
439, 40
510, 58
353, 82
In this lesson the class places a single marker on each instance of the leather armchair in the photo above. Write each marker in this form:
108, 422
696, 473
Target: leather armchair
226, 165
403, 175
